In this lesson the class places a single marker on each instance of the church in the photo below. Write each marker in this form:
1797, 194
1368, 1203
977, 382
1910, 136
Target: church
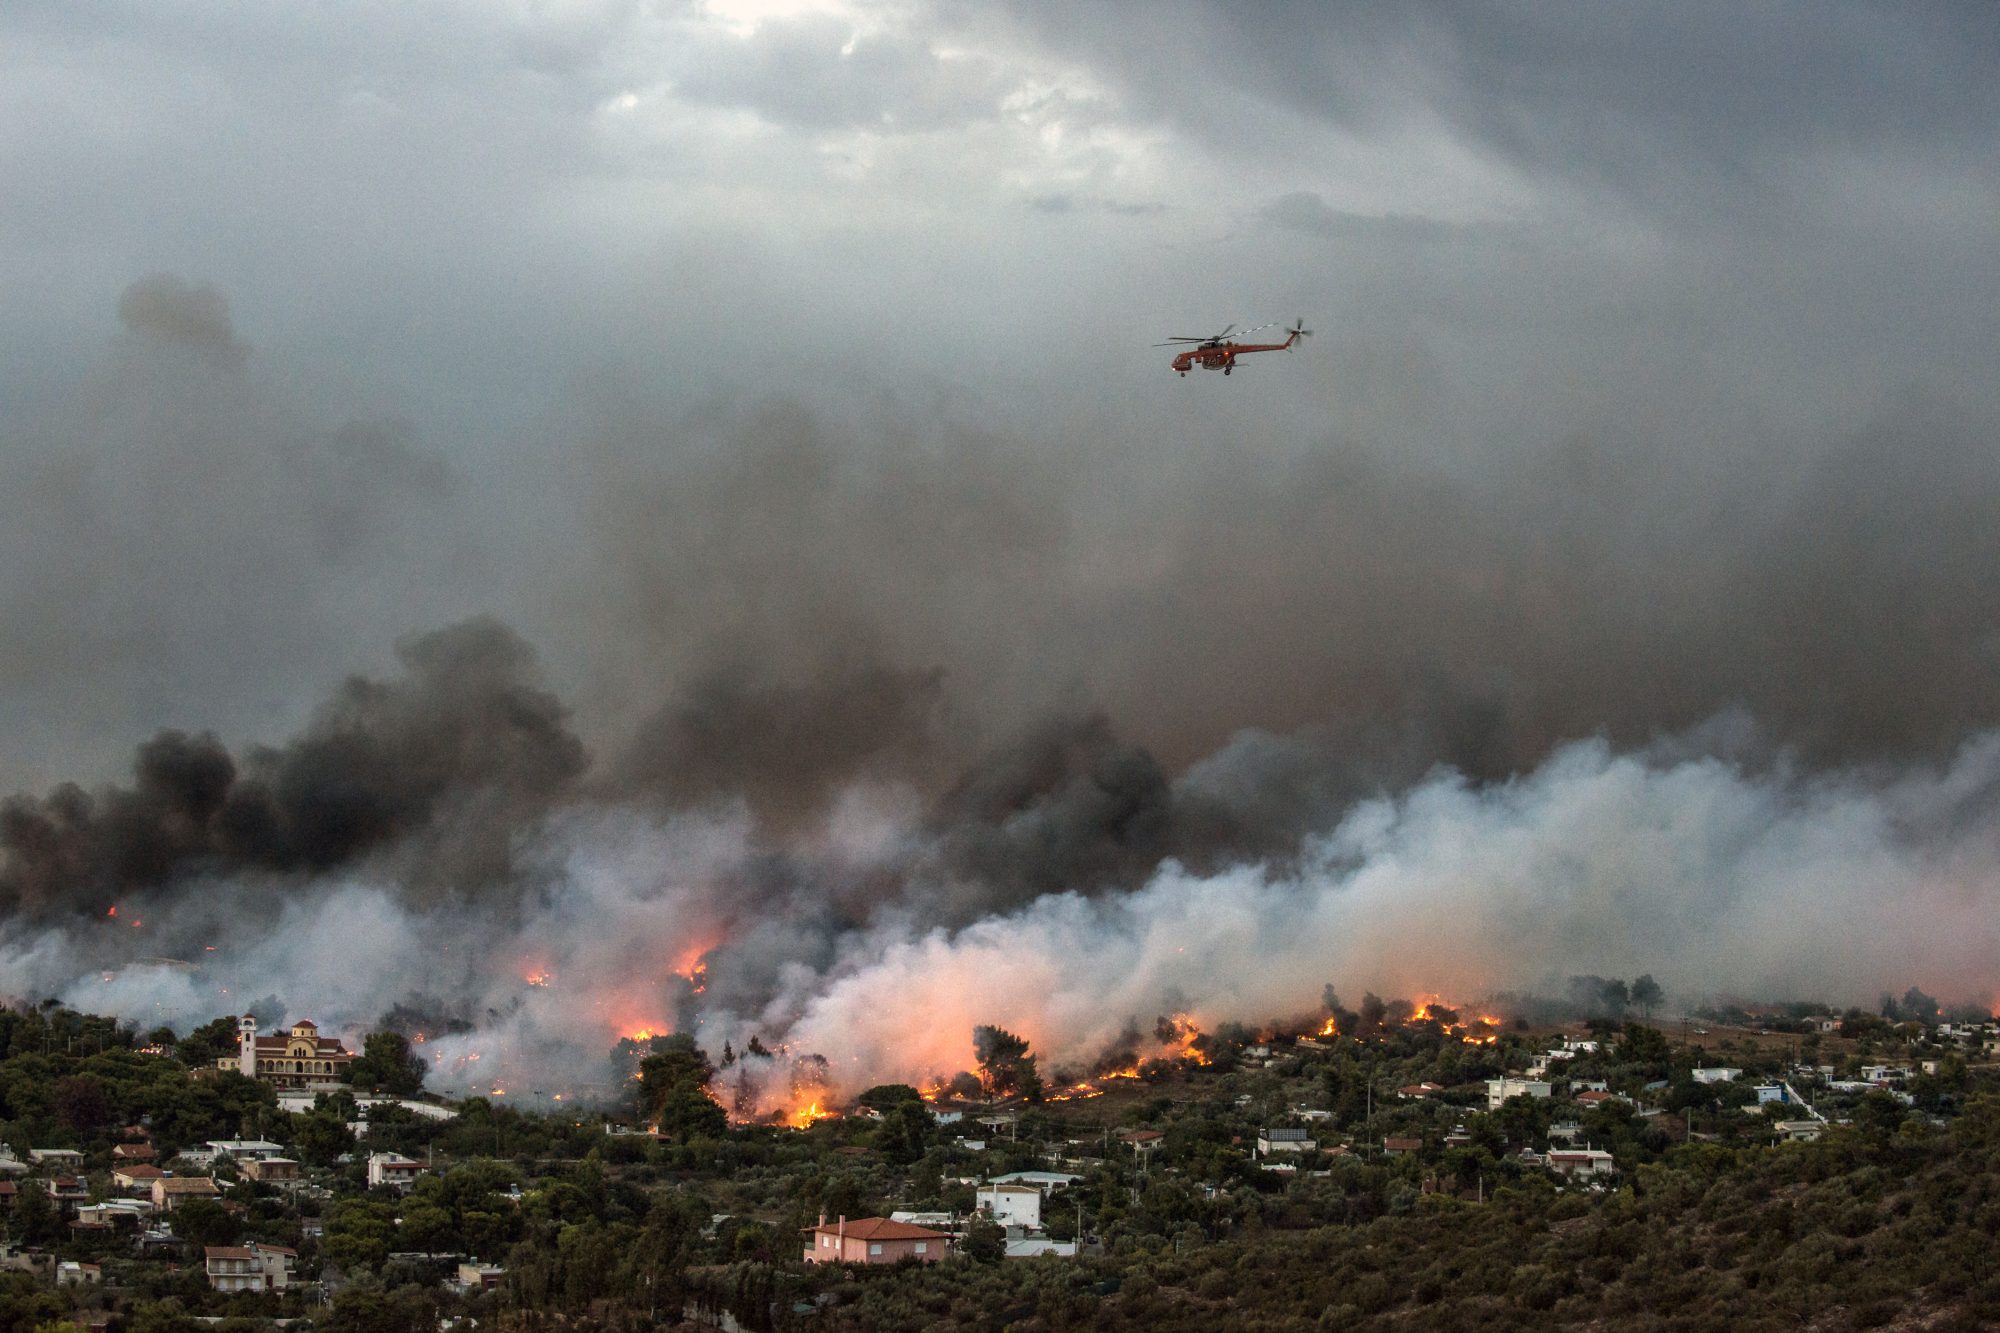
300, 1058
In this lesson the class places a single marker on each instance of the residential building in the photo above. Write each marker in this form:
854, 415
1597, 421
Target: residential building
55, 1159
1033, 1247
1011, 1205
949, 1223
169, 1192
1581, 1162
1717, 1075
133, 1152
1499, 1090
70, 1273
243, 1149
300, 1058
1043, 1180
271, 1170
1397, 1147
392, 1169
874, 1240
480, 1277
1284, 1140
251, 1267
112, 1213
137, 1178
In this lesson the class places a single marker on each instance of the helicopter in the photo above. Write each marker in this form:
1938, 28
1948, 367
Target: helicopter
1219, 351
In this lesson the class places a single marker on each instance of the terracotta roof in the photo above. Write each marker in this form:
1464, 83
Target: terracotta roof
227, 1252
325, 1046
1402, 1145
187, 1185
879, 1228
140, 1171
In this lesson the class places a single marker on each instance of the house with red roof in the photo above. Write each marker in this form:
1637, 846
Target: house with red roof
873, 1240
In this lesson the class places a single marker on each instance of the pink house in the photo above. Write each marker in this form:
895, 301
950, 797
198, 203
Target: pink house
873, 1240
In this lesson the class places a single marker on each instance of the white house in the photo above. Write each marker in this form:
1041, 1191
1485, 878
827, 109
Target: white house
1498, 1090
243, 1149
392, 1169
1042, 1180
1717, 1075
1035, 1247
1767, 1093
1581, 1162
1011, 1205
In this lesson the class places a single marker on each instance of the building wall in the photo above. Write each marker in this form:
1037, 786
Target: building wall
1013, 1207
855, 1250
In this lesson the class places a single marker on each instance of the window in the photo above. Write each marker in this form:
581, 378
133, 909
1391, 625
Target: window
875, 1248
923, 1247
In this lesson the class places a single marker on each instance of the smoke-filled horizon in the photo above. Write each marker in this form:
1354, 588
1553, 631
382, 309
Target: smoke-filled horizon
432, 854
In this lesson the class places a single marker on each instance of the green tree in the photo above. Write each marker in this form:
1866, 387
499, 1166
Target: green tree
387, 1063
207, 1043
1646, 994
369, 1309
320, 1136
204, 1222
985, 1240
884, 1096
1006, 1068
36, 1220
82, 1104
673, 1090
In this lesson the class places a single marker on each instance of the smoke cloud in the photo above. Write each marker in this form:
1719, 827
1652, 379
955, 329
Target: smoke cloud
819, 719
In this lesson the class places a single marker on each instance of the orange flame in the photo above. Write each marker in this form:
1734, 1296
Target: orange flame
803, 1117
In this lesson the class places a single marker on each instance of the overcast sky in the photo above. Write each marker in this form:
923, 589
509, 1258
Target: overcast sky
326, 323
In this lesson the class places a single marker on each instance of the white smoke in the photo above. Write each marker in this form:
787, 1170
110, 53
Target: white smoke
1714, 876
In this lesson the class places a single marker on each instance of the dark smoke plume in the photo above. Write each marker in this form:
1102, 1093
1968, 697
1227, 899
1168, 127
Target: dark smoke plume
465, 733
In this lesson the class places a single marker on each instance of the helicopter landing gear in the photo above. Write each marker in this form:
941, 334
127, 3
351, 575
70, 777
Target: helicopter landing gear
1227, 369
